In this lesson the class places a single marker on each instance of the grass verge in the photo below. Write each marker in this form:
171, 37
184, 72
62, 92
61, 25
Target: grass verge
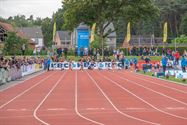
171, 78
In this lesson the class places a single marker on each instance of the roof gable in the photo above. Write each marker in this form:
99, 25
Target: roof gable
32, 32
64, 35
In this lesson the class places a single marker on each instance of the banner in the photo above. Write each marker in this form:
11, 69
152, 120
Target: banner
86, 65
93, 33
128, 32
165, 32
54, 29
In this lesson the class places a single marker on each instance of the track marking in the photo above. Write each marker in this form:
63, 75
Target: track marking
3, 105
95, 109
153, 90
57, 109
76, 104
116, 83
124, 114
158, 84
176, 108
11, 86
45, 98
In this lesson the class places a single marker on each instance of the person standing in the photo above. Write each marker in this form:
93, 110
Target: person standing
164, 63
183, 63
23, 49
48, 63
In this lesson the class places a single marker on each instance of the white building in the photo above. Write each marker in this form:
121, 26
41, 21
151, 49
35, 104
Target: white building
35, 34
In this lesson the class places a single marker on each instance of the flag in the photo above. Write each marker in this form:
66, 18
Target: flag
128, 32
93, 32
54, 30
165, 32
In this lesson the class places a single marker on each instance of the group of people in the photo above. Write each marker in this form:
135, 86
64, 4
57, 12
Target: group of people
174, 57
17, 62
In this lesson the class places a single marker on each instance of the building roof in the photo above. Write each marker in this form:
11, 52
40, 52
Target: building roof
110, 27
31, 32
7, 26
64, 35
82, 27
10, 28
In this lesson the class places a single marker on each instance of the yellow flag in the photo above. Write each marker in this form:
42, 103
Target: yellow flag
128, 32
165, 32
54, 30
93, 32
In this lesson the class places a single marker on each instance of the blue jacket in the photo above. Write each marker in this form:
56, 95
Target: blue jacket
48, 61
183, 62
164, 61
135, 61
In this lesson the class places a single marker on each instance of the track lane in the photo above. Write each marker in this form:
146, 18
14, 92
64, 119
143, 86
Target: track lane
93, 104
179, 95
135, 106
8, 94
168, 103
60, 106
180, 87
110, 93
19, 111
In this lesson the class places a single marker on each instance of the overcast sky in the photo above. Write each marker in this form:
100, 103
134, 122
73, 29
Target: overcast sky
37, 8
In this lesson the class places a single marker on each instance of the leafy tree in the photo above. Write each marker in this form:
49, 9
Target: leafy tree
183, 25
47, 31
104, 12
181, 39
13, 44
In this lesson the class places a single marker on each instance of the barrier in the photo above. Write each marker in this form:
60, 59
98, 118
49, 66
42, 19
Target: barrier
14, 73
86, 65
29, 69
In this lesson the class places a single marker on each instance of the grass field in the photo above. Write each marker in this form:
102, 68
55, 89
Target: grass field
171, 78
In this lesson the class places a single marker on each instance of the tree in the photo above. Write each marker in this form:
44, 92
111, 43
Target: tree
181, 39
104, 12
13, 44
183, 25
47, 30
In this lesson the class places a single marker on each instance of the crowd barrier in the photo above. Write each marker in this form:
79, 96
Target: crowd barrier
86, 65
12, 74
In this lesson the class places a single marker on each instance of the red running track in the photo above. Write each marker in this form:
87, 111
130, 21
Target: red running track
94, 98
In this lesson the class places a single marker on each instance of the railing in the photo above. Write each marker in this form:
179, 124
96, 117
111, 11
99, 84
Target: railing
7, 75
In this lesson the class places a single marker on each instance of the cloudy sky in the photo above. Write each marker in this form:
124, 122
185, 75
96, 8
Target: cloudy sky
37, 8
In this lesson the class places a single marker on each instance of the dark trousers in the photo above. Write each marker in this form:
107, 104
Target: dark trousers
183, 68
164, 68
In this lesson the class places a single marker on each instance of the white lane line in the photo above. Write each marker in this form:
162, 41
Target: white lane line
154, 91
176, 108
135, 108
57, 109
158, 84
143, 99
35, 111
124, 114
3, 105
11, 86
76, 103
95, 109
